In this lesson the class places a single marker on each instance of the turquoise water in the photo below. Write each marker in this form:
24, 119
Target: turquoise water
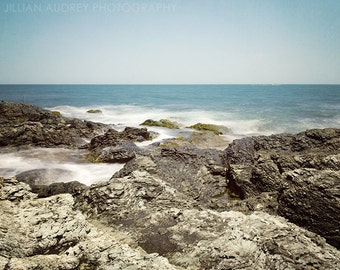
246, 109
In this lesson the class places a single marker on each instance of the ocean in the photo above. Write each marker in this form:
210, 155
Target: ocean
247, 110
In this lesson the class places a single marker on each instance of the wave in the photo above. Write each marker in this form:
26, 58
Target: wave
133, 115
70, 161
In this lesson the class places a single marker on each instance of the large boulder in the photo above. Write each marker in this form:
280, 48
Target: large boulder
273, 164
113, 137
311, 199
117, 147
198, 173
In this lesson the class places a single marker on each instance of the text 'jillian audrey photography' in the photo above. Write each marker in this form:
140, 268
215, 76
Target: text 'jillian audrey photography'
100, 6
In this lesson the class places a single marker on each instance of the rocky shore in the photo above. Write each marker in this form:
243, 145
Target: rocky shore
266, 202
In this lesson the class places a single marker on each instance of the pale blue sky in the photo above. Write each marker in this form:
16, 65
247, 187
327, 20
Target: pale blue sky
170, 41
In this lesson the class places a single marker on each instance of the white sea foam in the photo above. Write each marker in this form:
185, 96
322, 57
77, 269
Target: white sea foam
72, 161
133, 115
240, 125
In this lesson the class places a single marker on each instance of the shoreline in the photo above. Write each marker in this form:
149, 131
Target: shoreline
169, 204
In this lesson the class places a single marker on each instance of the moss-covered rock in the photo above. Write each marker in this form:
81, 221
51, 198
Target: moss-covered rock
94, 111
216, 129
56, 113
161, 123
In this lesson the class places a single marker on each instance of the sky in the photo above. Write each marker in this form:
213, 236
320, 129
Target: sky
170, 41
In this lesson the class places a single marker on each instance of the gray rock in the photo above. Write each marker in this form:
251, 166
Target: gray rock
198, 173
23, 124
121, 153
298, 168
50, 234
169, 223
43, 176
115, 138
311, 199
43, 182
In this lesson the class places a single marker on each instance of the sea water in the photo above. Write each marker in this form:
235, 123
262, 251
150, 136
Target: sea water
247, 110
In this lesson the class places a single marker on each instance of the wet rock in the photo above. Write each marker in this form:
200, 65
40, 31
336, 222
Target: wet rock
161, 123
43, 176
23, 124
94, 111
73, 188
216, 129
114, 138
43, 182
116, 146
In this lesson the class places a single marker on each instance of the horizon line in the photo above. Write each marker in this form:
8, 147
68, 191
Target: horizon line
273, 84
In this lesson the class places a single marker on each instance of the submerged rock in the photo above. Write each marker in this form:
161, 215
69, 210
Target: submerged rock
94, 111
43, 176
216, 129
161, 123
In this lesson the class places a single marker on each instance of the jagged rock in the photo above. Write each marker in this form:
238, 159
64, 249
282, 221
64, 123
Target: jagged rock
141, 221
38, 227
198, 173
115, 146
114, 138
23, 124
168, 223
266, 164
168, 208
311, 199
12, 190
121, 153
232, 240
50, 234
122, 199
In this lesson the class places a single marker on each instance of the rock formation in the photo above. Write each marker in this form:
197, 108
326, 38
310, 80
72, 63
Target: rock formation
171, 207
23, 124
140, 222
302, 170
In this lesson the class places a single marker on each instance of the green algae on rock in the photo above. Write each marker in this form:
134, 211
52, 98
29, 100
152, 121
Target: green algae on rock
161, 123
217, 129
56, 113
94, 111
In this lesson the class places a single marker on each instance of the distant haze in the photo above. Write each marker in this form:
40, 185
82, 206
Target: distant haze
170, 41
